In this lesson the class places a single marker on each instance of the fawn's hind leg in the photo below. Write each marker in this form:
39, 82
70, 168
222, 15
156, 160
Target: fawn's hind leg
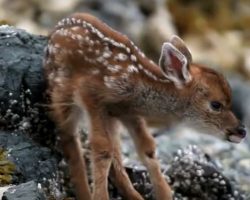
101, 143
67, 118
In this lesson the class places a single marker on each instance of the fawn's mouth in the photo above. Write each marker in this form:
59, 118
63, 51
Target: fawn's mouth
235, 136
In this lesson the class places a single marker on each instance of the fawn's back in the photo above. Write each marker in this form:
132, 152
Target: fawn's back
86, 54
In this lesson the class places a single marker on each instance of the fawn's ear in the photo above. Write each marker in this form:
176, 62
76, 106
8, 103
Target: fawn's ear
174, 64
181, 46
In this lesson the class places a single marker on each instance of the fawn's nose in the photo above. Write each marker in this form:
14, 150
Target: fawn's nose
241, 131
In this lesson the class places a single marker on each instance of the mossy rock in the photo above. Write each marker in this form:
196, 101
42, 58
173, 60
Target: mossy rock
7, 169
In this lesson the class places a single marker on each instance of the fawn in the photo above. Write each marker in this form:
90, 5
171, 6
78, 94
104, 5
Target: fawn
95, 71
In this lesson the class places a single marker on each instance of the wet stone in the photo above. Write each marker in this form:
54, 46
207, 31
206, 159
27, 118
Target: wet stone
200, 172
25, 191
22, 83
192, 175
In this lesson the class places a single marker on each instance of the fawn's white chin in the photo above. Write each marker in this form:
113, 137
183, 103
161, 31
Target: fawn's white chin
235, 139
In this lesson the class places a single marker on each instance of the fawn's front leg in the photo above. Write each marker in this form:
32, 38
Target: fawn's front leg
145, 146
119, 175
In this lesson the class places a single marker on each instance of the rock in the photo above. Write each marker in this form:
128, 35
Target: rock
21, 82
2, 190
140, 180
7, 168
25, 191
32, 162
191, 173
224, 156
182, 166
191, 167
21, 66
244, 164
24, 122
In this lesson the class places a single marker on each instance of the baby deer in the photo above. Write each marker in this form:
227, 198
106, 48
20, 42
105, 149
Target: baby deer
95, 71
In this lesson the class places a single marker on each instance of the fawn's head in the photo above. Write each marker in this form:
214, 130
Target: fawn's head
206, 92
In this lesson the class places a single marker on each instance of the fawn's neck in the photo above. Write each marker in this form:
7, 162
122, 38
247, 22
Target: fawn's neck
160, 99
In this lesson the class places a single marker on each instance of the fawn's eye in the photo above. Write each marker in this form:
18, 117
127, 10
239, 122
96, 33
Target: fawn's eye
216, 106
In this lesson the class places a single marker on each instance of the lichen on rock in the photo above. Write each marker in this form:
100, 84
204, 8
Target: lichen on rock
7, 169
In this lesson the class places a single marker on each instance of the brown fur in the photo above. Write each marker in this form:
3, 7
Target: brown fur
133, 90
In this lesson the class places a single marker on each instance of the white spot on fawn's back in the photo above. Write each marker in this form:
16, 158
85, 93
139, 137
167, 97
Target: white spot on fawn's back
104, 40
114, 68
75, 28
132, 68
121, 57
133, 58
107, 54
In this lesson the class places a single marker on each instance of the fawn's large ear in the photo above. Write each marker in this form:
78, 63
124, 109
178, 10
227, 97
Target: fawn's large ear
174, 64
181, 46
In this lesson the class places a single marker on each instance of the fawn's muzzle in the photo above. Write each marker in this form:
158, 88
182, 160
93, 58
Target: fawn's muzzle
237, 134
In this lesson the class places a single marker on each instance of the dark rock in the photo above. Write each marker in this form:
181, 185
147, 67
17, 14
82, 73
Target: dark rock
25, 191
32, 161
21, 82
21, 66
140, 180
192, 175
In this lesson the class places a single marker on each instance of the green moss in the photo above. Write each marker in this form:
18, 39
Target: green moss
7, 169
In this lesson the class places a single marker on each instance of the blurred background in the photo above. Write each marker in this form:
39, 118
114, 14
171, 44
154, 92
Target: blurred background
216, 31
